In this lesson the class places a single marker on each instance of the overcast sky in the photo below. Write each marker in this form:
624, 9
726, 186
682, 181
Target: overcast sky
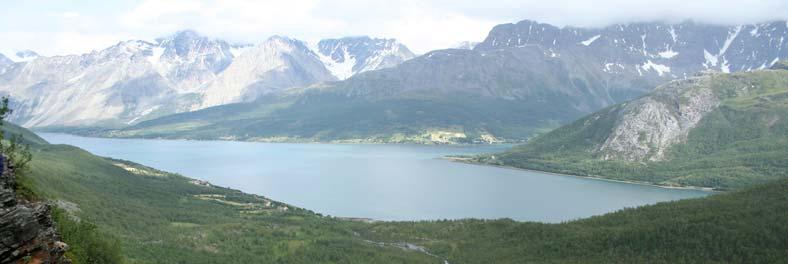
66, 27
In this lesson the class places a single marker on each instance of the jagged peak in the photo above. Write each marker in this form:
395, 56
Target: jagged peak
282, 38
285, 42
347, 38
129, 46
27, 54
362, 38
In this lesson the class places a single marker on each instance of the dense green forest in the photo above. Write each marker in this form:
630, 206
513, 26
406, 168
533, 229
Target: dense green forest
738, 227
742, 142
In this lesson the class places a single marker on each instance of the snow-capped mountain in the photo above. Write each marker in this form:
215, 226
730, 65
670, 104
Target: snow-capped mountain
115, 83
348, 56
588, 68
190, 60
275, 64
137, 80
656, 49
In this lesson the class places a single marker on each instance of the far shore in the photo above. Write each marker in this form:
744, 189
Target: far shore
291, 140
468, 160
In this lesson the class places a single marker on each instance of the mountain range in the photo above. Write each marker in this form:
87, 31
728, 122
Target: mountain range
522, 80
136, 80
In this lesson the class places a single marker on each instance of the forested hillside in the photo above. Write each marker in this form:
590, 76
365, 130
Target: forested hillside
722, 131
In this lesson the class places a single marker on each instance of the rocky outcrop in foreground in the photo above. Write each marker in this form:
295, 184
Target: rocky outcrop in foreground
27, 232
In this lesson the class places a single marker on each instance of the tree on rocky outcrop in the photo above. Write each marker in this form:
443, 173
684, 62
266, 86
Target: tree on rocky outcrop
27, 231
11, 146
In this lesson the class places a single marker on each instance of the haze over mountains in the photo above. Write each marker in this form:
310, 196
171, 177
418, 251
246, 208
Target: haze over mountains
523, 79
134, 80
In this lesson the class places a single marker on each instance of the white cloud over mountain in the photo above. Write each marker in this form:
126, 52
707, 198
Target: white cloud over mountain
61, 28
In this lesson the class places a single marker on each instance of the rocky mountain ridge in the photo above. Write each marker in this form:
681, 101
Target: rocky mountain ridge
661, 49
137, 80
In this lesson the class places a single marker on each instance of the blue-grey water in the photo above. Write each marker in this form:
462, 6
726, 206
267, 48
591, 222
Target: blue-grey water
386, 182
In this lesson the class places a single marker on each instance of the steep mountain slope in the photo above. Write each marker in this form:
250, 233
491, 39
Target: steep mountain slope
411, 103
138, 80
190, 60
661, 49
164, 218
525, 78
273, 65
713, 130
111, 85
349, 56
122, 84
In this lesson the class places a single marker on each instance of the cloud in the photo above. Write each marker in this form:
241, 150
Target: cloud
69, 14
236, 19
423, 25
58, 43
423, 33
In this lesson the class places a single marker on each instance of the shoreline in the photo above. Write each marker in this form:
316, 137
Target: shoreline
683, 187
464, 160
339, 142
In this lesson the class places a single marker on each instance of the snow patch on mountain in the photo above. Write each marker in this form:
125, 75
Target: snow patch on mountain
711, 60
348, 56
340, 69
659, 68
588, 42
668, 53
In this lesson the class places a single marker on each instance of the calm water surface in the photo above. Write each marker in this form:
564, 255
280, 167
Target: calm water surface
387, 182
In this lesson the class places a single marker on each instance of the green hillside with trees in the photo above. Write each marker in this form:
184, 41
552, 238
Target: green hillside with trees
743, 141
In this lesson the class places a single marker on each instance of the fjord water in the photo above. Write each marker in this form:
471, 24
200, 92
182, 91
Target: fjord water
386, 182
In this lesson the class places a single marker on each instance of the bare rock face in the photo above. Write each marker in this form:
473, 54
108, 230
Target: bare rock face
27, 232
648, 126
